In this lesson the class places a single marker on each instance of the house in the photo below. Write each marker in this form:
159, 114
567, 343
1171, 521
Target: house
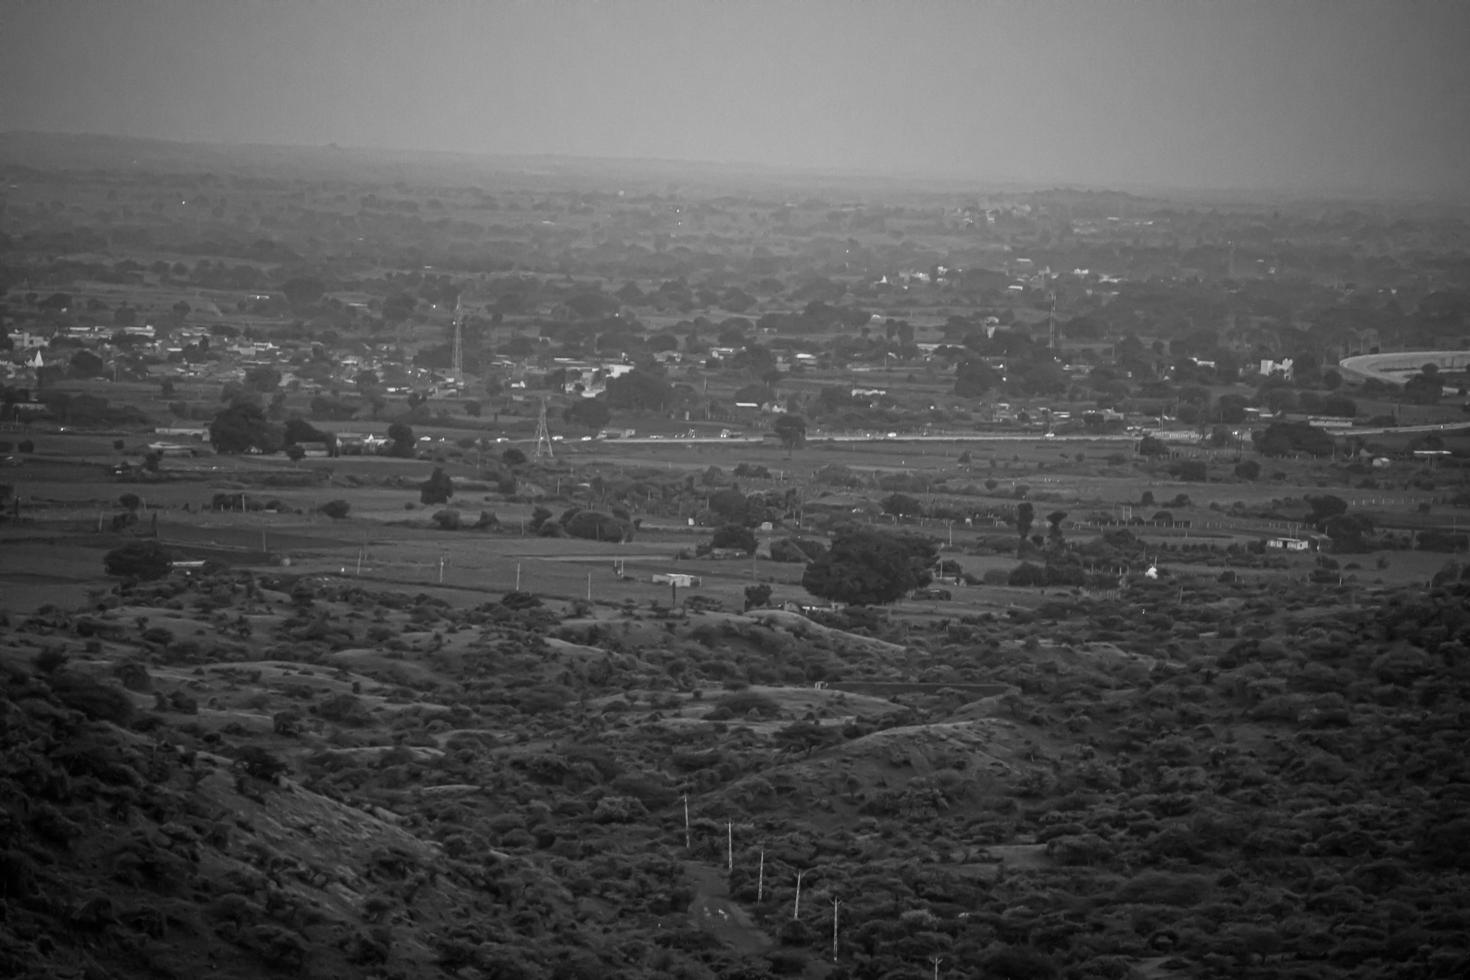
678, 580
1288, 544
26, 340
1281, 367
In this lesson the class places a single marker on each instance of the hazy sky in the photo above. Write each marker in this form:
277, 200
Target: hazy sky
1330, 94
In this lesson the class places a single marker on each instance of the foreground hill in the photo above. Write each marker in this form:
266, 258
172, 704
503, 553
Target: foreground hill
245, 775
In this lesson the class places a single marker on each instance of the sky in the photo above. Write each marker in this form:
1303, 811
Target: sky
1302, 95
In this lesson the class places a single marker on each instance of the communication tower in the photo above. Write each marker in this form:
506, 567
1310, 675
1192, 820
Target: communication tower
458, 351
458, 343
543, 436
1051, 321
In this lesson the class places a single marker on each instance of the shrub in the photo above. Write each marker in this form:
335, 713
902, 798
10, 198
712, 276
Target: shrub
741, 703
447, 519
336, 509
256, 762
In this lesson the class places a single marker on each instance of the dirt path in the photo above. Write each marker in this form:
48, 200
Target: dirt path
713, 910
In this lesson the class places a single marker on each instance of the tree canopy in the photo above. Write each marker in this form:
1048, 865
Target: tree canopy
791, 430
143, 560
242, 427
869, 567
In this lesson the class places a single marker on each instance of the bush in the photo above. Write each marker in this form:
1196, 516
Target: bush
743, 703
447, 520
336, 509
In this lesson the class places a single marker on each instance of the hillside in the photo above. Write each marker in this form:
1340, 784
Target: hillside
248, 775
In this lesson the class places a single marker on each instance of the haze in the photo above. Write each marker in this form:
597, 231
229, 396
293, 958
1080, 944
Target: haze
1307, 96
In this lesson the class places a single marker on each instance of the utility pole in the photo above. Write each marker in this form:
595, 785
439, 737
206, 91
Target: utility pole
687, 845
936, 959
835, 903
796, 910
729, 846
518, 576
760, 878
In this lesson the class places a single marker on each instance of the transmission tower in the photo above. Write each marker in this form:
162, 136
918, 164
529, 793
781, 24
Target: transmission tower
458, 343
543, 436
1051, 321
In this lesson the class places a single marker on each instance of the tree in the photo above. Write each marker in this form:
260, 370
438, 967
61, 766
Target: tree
757, 596
589, 413
1424, 388
437, 489
1230, 408
1054, 526
639, 390
1151, 446
302, 291
791, 431
142, 560
597, 526
1324, 508
866, 566
263, 379
242, 427
902, 505
299, 430
1248, 469
85, 364
1025, 517
400, 440
734, 536
974, 378
1285, 438
1190, 470
1348, 532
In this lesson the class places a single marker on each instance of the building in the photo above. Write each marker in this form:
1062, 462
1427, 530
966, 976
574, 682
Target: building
1282, 367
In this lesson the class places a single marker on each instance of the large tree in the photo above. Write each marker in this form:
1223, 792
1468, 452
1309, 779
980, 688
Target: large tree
866, 566
791, 430
638, 389
242, 427
437, 489
143, 560
589, 413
